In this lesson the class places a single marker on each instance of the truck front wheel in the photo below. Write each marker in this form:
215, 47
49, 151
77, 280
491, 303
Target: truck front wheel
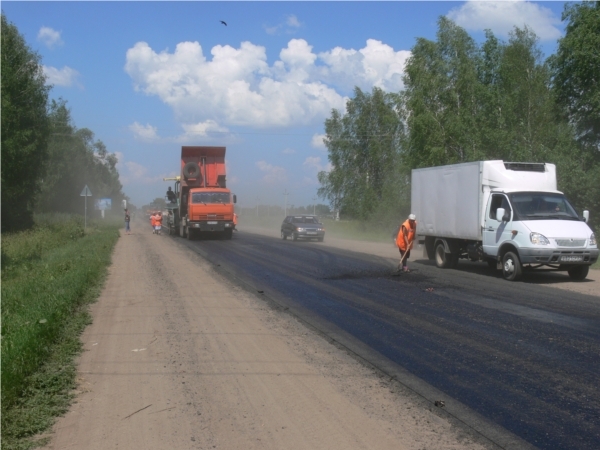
579, 273
511, 267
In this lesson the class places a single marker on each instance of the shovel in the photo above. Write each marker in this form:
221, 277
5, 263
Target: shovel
399, 270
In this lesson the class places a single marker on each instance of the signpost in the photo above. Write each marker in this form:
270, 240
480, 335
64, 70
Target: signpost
102, 204
85, 193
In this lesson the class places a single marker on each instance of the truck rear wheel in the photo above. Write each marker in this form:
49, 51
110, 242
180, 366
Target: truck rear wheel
442, 259
511, 267
579, 273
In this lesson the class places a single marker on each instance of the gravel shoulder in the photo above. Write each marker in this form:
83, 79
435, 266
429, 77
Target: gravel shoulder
180, 357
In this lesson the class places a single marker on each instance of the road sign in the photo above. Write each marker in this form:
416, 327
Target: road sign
86, 192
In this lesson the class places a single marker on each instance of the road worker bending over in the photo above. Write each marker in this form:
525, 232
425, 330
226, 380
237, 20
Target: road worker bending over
405, 239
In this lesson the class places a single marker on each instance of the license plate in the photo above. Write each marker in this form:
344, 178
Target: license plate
212, 222
311, 232
571, 258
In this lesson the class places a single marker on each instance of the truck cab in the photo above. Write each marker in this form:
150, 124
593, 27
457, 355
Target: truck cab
536, 228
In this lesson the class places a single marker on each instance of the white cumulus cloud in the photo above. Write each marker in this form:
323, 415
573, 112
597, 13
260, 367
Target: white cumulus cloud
377, 64
200, 130
290, 25
288, 151
502, 16
146, 133
317, 141
49, 37
237, 86
61, 77
314, 163
273, 174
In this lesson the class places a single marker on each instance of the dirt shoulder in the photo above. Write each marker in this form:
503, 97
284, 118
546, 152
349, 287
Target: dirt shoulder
559, 280
179, 357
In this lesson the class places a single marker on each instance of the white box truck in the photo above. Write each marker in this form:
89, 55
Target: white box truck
507, 214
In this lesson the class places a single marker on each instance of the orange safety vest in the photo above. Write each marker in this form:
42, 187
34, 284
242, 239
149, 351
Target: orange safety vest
159, 220
410, 234
153, 220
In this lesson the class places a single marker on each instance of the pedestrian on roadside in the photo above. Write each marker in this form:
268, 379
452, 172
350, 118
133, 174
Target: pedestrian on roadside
127, 220
405, 239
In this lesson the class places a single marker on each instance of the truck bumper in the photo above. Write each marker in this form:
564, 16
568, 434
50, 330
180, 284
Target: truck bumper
555, 256
211, 225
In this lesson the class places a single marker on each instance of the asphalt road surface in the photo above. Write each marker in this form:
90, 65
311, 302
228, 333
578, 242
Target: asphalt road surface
523, 357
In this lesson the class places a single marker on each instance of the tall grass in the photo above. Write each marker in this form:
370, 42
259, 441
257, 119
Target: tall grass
49, 274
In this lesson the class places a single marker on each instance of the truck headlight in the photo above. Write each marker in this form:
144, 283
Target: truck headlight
539, 239
593, 239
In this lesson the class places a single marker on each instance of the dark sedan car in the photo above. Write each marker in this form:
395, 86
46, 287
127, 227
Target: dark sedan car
302, 227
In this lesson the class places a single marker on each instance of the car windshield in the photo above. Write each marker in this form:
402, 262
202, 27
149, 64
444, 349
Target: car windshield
542, 206
210, 197
305, 220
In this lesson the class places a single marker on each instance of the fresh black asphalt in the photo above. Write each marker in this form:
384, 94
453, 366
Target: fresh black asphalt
525, 356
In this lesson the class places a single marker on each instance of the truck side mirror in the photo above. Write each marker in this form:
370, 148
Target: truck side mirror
500, 214
234, 198
586, 216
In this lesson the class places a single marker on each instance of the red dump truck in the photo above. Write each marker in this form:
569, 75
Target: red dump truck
201, 201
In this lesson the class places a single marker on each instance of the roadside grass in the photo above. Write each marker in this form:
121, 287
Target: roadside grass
596, 265
50, 275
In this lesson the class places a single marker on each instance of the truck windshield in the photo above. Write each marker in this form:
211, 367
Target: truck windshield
210, 197
542, 206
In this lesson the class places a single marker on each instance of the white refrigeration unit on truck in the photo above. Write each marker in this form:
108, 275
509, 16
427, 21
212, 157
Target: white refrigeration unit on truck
507, 214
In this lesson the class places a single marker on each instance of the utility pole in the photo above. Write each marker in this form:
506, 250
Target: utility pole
285, 194
257, 199
314, 205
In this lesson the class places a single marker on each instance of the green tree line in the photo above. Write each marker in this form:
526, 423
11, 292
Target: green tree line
465, 101
46, 160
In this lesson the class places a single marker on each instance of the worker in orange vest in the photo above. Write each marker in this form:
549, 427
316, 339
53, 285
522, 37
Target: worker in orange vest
158, 222
235, 221
153, 222
405, 239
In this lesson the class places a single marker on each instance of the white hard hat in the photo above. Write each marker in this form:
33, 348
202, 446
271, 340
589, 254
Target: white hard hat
412, 217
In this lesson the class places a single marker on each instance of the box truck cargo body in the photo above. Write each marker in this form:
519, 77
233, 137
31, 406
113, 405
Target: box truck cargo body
508, 214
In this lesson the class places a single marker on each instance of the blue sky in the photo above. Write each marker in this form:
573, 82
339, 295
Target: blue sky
149, 77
